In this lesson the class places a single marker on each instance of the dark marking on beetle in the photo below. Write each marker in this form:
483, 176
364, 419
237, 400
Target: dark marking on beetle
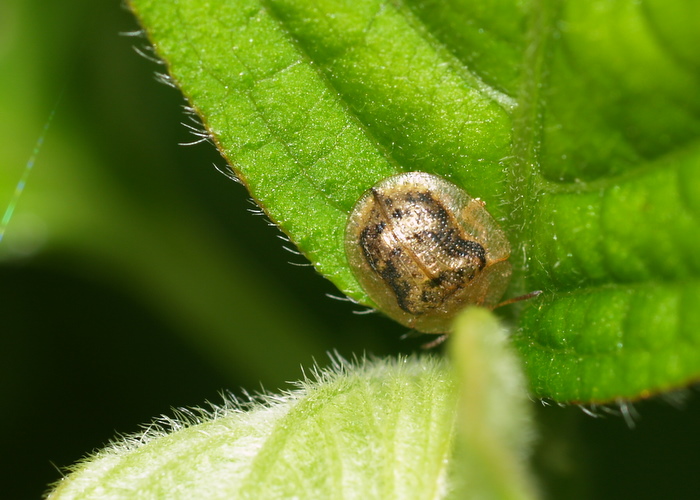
400, 287
383, 261
423, 224
453, 245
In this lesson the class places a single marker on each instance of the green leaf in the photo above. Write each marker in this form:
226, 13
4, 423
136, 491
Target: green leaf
372, 429
576, 122
292, 116
494, 424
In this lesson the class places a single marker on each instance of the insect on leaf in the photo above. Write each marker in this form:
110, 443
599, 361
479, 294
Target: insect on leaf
577, 123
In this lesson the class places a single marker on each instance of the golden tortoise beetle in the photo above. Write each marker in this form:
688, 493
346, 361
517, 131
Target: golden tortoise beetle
423, 249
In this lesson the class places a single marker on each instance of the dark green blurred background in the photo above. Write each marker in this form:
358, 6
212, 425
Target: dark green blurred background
133, 279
